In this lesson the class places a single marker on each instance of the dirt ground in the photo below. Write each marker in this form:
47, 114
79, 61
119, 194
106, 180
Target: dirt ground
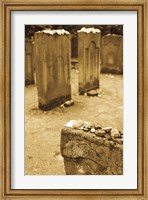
42, 129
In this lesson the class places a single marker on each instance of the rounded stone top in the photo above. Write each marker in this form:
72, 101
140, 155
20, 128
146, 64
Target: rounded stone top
89, 30
53, 32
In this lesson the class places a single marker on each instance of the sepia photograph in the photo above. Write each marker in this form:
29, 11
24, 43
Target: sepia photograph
74, 99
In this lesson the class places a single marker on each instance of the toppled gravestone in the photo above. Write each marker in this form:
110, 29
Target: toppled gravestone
91, 153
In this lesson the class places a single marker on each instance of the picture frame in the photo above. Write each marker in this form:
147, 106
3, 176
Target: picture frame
5, 99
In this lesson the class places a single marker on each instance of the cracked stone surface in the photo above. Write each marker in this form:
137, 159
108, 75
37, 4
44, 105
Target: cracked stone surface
87, 154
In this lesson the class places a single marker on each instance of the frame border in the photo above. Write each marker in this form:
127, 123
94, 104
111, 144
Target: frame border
5, 99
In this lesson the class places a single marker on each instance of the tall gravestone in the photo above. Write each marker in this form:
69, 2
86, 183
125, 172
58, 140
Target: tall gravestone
52, 61
112, 53
89, 59
29, 67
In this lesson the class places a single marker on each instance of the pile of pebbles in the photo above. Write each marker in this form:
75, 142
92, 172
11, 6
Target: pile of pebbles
95, 128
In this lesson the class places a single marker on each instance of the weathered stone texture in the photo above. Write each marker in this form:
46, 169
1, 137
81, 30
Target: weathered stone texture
112, 54
87, 154
29, 67
89, 60
52, 61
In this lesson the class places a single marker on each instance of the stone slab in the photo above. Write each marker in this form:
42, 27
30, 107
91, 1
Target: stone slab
85, 153
52, 61
89, 59
112, 54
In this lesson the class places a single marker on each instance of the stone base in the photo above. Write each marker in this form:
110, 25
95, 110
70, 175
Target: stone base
54, 103
87, 154
88, 87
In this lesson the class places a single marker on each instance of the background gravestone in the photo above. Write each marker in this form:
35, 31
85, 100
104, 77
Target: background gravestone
112, 54
89, 59
29, 67
52, 61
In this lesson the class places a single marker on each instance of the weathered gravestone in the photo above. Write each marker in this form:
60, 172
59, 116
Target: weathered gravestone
52, 61
87, 154
29, 67
89, 59
112, 54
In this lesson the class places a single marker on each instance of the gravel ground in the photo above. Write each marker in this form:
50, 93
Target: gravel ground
42, 129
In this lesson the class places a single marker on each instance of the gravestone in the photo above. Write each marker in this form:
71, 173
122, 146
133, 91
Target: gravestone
87, 154
112, 54
29, 67
89, 59
52, 60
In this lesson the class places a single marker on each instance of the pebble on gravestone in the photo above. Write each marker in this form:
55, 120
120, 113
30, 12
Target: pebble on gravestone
115, 133
112, 143
86, 129
100, 133
88, 125
92, 130
120, 141
108, 136
78, 124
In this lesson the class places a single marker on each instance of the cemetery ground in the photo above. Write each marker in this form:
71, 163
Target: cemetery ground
42, 128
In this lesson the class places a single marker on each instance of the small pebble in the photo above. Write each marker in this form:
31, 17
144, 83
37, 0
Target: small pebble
69, 103
78, 124
108, 137
92, 130
115, 133
111, 143
92, 93
85, 129
119, 141
100, 133
99, 95
88, 125
62, 106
